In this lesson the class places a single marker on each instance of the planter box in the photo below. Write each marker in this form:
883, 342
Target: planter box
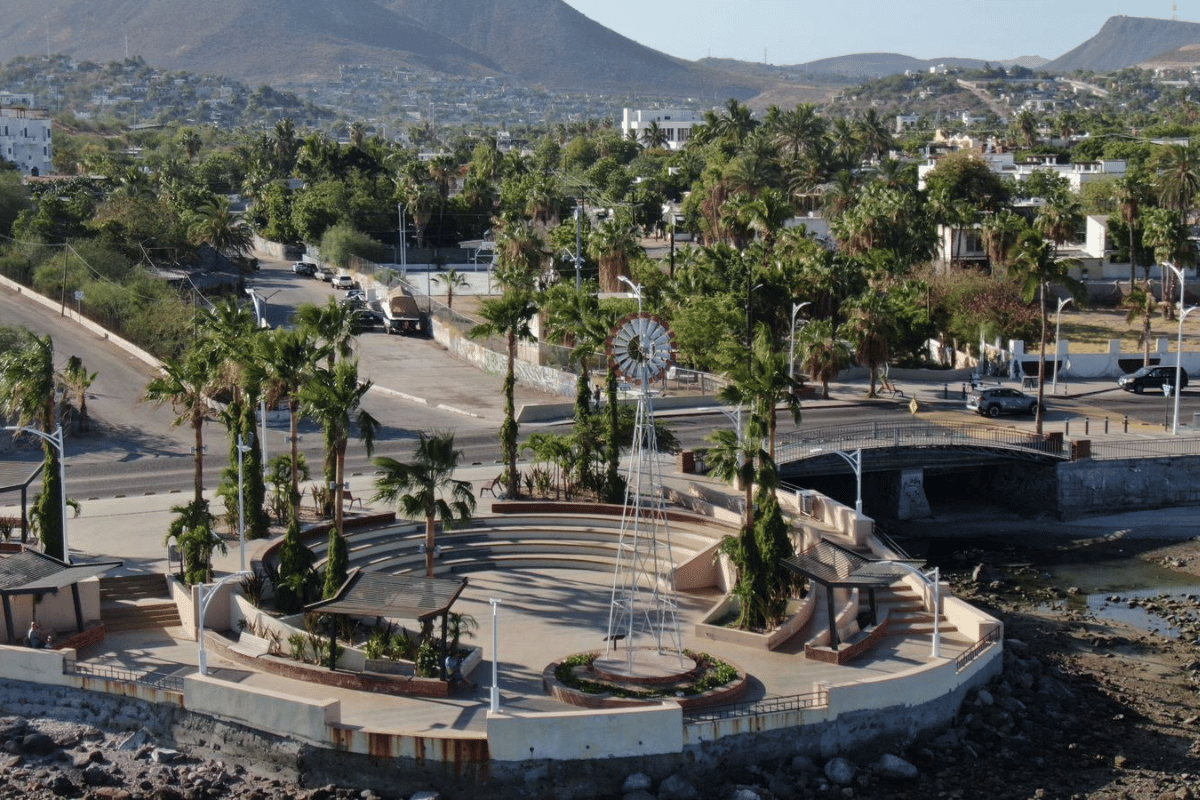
799, 612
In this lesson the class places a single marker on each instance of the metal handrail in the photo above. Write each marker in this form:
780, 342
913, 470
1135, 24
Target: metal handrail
879, 435
172, 683
1105, 449
973, 652
758, 708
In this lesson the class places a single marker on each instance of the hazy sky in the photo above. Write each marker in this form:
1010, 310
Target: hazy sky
796, 31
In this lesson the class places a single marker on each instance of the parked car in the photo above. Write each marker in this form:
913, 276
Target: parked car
1152, 378
365, 320
304, 268
994, 402
325, 274
343, 282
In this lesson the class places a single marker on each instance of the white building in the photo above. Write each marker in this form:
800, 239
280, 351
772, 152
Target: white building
1077, 174
25, 140
676, 124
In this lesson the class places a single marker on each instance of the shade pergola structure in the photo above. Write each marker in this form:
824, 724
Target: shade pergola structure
836, 567
379, 594
16, 476
32, 573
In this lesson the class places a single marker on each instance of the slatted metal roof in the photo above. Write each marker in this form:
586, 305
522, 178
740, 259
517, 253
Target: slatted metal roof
31, 572
378, 594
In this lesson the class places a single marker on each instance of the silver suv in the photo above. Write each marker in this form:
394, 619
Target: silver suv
994, 402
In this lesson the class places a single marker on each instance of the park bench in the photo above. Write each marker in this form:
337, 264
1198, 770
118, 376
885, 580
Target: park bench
491, 486
890, 387
251, 646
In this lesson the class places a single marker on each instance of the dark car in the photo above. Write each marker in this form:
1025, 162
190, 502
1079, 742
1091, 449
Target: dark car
365, 320
994, 402
1152, 378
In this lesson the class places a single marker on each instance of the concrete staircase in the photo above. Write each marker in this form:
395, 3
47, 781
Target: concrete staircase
906, 613
136, 602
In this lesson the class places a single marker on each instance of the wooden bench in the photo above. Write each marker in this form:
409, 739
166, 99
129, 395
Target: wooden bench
251, 646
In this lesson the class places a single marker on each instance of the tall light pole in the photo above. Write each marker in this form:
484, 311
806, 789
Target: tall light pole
792, 339
1179, 342
495, 698
635, 288
204, 599
855, 461
58, 443
242, 450
578, 245
1057, 322
1183, 312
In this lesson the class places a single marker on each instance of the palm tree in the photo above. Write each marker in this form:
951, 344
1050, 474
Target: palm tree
333, 397
453, 280
426, 487
870, 328
27, 393
333, 326
216, 223
1179, 176
1036, 266
1166, 234
1000, 234
185, 383
78, 380
653, 136
1060, 219
873, 133
614, 243
509, 316
762, 382
289, 356
822, 353
1141, 303
519, 255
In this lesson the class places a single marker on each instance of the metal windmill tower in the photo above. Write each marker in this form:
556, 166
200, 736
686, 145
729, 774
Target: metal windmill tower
644, 604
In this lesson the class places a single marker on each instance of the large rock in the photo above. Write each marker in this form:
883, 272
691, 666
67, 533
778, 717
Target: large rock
677, 787
894, 768
840, 771
638, 781
38, 744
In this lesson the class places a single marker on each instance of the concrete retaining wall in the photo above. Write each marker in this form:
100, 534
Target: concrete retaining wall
1118, 485
572, 735
302, 718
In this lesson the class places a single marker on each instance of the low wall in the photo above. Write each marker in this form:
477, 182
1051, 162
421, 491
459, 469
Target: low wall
546, 379
800, 611
41, 666
186, 598
308, 720
579, 735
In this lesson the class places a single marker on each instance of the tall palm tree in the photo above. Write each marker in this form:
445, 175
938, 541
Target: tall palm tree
27, 393
614, 244
1166, 234
1036, 266
1179, 176
822, 352
426, 487
333, 397
1141, 304
653, 136
508, 316
871, 327
1000, 234
78, 380
186, 383
762, 382
290, 357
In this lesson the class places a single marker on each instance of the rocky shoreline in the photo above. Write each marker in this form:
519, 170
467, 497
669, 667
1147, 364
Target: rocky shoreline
1084, 709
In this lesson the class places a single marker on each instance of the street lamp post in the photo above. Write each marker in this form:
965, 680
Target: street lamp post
495, 697
1179, 342
242, 449
204, 598
1057, 323
1183, 312
792, 339
578, 245
58, 443
635, 288
855, 462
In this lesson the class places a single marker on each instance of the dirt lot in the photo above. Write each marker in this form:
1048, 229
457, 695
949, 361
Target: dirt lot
1090, 331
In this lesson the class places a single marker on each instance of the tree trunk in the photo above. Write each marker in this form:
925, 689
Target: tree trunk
1042, 366
430, 542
